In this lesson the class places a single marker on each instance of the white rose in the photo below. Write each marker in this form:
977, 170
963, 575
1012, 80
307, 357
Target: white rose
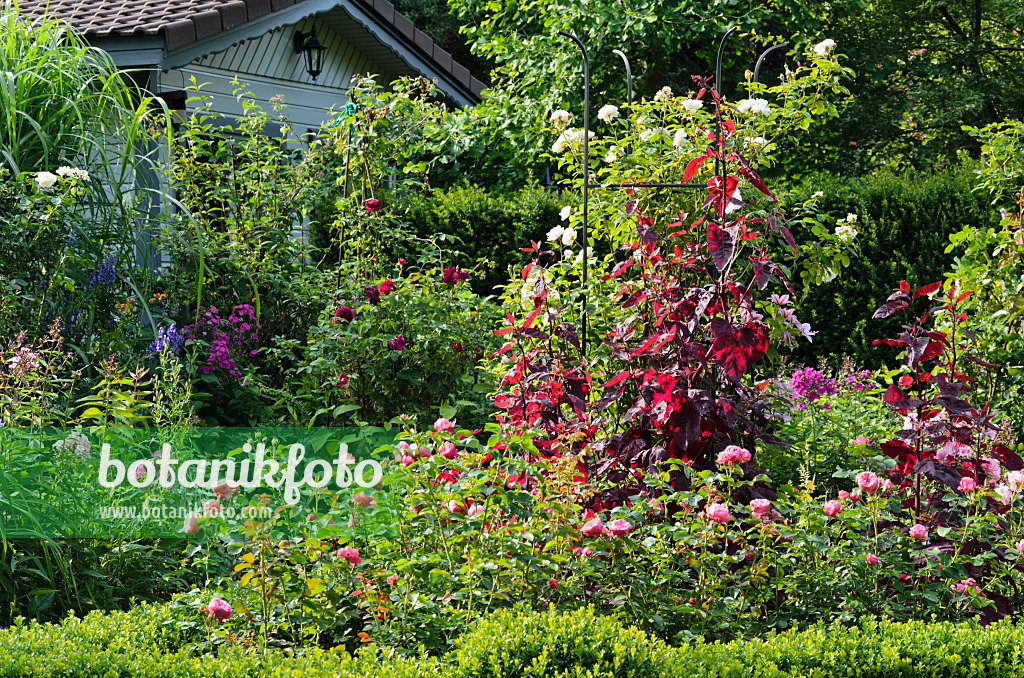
753, 106
555, 234
66, 171
611, 157
816, 194
648, 134
560, 143
560, 119
732, 206
753, 141
565, 212
608, 113
680, 138
846, 232
46, 180
824, 47
693, 104
851, 218
568, 236
579, 257
663, 93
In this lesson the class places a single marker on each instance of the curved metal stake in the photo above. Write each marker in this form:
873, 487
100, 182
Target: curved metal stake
760, 59
586, 176
719, 161
629, 92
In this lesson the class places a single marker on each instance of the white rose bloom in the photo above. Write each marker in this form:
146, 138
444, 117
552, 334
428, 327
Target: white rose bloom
579, 257
567, 255
647, 134
828, 275
846, 232
693, 104
555, 234
816, 194
560, 143
66, 171
753, 106
560, 119
824, 47
568, 236
611, 157
663, 94
565, 212
754, 141
680, 138
46, 180
608, 113
731, 206
851, 218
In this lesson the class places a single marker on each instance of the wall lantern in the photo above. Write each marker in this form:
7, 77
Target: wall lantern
312, 51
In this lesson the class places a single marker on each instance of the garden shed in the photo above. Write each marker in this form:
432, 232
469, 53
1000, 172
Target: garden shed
259, 43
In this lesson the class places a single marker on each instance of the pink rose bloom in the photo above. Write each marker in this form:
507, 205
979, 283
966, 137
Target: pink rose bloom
225, 490
443, 425
952, 449
867, 482
733, 454
392, 579
832, 507
1003, 494
363, 500
211, 507
455, 507
593, 528
872, 559
1015, 481
192, 523
350, 554
760, 508
844, 495
589, 551
387, 287
717, 513
219, 609
475, 509
967, 484
965, 586
448, 450
424, 453
991, 468
372, 205
854, 497
919, 532
620, 527
887, 485
1020, 546
552, 584
407, 460
861, 440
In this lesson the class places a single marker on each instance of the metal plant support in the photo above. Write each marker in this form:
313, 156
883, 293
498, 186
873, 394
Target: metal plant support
720, 164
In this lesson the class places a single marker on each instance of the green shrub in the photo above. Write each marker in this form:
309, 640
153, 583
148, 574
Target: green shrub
905, 221
520, 643
490, 226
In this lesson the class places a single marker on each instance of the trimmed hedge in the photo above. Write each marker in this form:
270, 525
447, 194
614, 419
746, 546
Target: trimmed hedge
491, 226
523, 644
905, 221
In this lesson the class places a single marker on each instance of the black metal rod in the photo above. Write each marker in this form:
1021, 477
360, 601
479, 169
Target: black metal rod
629, 95
760, 60
720, 166
586, 177
648, 186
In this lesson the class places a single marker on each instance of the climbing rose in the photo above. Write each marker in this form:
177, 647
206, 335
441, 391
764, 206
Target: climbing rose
443, 425
1020, 546
872, 559
372, 205
967, 484
398, 343
832, 507
608, 113
824, 47
211, 507
552, 583
372, 293
407, 460
733, 454
867, 482
387, 287
448, 450
919, 532
760, 508
1015, 481
219, 609
392, 579
717, 512
45, 180
192, 523
342, 380
593, 528
620, 527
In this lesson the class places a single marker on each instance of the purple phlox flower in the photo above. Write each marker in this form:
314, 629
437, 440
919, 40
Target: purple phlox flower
811, 384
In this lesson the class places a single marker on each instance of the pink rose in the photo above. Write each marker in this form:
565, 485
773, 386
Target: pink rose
919, 532
854, 496
1020, 546
991, 468
552, 584
424, 453
455, 507
717, 513
620, 527
372, 205
967, 484
589, 551
872, 559
350, 554
844, 495
593, 528
407, 460
861, 440
392, 579
867, 482
225, 490
192, 523
733, 454
219, 609
1003, 494
1015, 481
443, 425
475, 509
448, 450
363, 500
887, 485
211, 508
342, 380
760, 508
832, 507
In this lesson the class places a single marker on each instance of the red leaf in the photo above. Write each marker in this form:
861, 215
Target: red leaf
624, 374
722, 244
755, 181
889, 308
904, 287
693, 166
736, 349
927, 289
